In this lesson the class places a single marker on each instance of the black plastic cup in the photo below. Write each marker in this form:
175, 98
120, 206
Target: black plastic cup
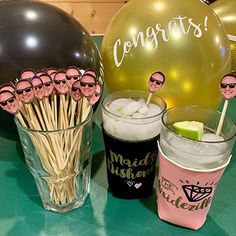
130, 166
131, 159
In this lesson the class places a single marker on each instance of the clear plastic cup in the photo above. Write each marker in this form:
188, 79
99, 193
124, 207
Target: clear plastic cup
197, 154
189, 170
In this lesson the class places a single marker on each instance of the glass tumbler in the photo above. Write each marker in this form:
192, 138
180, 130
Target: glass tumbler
60, 162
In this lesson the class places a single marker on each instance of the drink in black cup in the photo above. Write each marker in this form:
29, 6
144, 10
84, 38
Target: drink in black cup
130, 131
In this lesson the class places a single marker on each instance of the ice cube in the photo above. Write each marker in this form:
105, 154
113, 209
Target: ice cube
123, 126
130, 108
211, 137
153, 109
122, 130
118, 104
143, 109
138, 115
109, 124
141, 100
194, 154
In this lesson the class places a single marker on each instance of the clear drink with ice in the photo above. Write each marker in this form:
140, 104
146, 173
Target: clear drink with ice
189, 170
130, 131
126, 115
211, 151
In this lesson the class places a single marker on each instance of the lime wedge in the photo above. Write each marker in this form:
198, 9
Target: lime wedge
189, 129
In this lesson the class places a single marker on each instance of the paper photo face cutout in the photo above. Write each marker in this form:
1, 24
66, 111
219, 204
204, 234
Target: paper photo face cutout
24, 91
91, 72
7, 87
96, 95
52, 75
72, 74
51, 70
76, 91
228, 86
38, 88
87, 85
39, 73
9, 102
48, 85
60, 83
27, 74
155, 82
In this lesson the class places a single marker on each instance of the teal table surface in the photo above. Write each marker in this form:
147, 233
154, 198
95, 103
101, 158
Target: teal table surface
21, 212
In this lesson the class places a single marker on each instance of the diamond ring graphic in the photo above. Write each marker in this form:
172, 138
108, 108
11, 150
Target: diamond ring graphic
195, 193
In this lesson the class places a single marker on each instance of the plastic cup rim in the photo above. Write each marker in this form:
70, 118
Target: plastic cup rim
198, 141
193, 169
134, 118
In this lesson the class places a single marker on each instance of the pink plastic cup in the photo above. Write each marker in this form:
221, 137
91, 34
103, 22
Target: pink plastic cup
184, 195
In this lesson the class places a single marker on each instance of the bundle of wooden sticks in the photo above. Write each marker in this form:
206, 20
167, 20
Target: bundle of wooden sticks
57, 103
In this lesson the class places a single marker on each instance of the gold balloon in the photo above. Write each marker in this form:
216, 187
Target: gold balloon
183, 39
226, 11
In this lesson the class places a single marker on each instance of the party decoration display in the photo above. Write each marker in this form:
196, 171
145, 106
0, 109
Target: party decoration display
51, 98
183, 39
46, 104
226, 11
36, 35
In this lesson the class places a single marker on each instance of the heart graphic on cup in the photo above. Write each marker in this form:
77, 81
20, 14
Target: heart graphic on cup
138, 185
130, 183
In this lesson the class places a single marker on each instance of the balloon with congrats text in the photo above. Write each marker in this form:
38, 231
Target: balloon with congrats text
183, 39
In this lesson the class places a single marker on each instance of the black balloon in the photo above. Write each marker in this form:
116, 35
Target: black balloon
37, 35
